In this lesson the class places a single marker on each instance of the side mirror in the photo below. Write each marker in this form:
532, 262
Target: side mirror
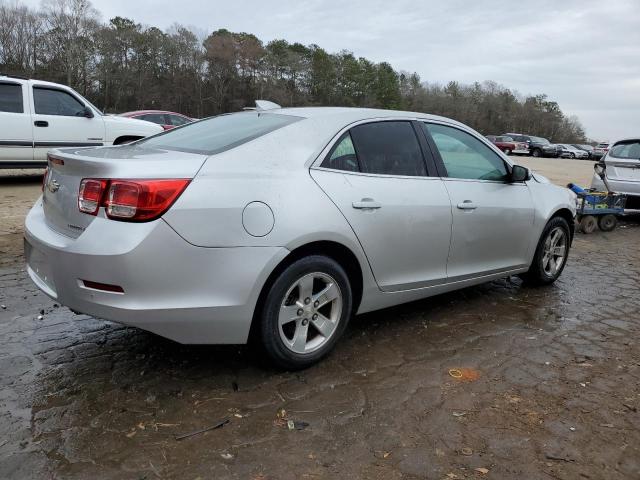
88, 112
519, 174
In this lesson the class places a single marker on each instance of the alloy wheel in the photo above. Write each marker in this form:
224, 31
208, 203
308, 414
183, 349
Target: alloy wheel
310, 312
555, 251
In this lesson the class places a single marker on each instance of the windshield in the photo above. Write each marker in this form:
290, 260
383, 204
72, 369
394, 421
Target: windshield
629, 150
217, 134
544, 141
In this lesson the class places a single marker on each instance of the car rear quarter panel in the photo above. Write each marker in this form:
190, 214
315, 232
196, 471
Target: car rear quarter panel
273, 170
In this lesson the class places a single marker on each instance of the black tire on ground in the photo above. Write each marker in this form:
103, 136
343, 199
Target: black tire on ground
608, 222
588, 224
536, 152
572, 155
507, 151
279, 353
537, 273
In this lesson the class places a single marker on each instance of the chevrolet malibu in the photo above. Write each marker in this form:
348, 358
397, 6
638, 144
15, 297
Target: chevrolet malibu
281, 223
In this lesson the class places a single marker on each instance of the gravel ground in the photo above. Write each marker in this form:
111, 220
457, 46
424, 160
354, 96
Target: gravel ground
550, 384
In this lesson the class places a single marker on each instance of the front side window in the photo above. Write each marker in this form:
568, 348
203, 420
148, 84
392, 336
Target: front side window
388, 148
464, 156
627, 150
48, 101
11, 98
343, 155
217, 134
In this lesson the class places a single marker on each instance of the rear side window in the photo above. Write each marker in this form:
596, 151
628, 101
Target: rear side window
177, 120
158, 118
11, 98
48, 101
626, 150
464, 156
343, 155
217, 134
388, 148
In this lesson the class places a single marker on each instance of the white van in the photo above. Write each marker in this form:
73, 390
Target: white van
36, 116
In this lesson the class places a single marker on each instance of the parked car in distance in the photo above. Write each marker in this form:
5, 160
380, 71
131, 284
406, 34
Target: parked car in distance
600, 150
167, 120
586, 148
569, 151
622, 171
285, 222
36, 116
507, 144
536, 146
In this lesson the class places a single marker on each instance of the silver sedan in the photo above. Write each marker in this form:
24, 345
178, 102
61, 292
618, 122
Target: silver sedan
284, 222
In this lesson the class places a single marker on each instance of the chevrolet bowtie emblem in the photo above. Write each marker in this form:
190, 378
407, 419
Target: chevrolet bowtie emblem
53, 186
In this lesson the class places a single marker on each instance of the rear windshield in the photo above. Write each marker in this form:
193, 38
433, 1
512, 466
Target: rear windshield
217, 134
628, 150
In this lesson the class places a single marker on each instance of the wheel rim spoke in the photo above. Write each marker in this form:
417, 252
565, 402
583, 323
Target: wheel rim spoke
327, 295
288, 313
324, 325
306, 287
299, 342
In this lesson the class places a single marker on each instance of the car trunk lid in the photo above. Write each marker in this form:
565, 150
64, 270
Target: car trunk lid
67, 168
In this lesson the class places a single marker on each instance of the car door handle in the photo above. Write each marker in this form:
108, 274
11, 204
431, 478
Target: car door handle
467, 205
366, 203
41, 123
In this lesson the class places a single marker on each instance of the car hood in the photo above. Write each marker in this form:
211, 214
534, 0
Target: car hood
136, 126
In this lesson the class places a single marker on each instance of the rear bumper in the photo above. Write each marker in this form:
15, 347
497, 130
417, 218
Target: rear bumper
618, 186
179, 291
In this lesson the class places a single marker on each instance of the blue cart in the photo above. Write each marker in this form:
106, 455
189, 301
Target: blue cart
598, 209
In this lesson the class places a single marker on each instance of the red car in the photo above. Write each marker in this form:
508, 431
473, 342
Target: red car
506, 144
167, 120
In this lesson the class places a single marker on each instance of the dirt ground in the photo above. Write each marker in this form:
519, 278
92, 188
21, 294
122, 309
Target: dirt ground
550, 385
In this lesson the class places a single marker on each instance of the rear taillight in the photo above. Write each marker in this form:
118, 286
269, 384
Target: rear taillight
130, 200
90, 195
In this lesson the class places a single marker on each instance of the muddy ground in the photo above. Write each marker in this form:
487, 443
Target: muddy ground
551, 390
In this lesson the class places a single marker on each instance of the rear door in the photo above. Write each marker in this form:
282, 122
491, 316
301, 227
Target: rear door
400, 211
492, 219
16, 136
59, 121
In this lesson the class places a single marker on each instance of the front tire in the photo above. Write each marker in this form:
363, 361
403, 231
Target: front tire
536, 153
507, 151
551, 253
305, 312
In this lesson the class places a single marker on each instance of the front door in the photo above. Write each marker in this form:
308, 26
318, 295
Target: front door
377, 177
59, 121
492, 218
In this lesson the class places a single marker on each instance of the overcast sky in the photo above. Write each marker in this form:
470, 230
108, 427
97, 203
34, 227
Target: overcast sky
585, 54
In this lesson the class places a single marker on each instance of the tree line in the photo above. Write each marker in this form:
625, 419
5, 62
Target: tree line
122, 65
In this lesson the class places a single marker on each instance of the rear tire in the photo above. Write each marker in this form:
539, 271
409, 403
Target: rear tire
299, 324
588, 224
608, 222
551, 253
